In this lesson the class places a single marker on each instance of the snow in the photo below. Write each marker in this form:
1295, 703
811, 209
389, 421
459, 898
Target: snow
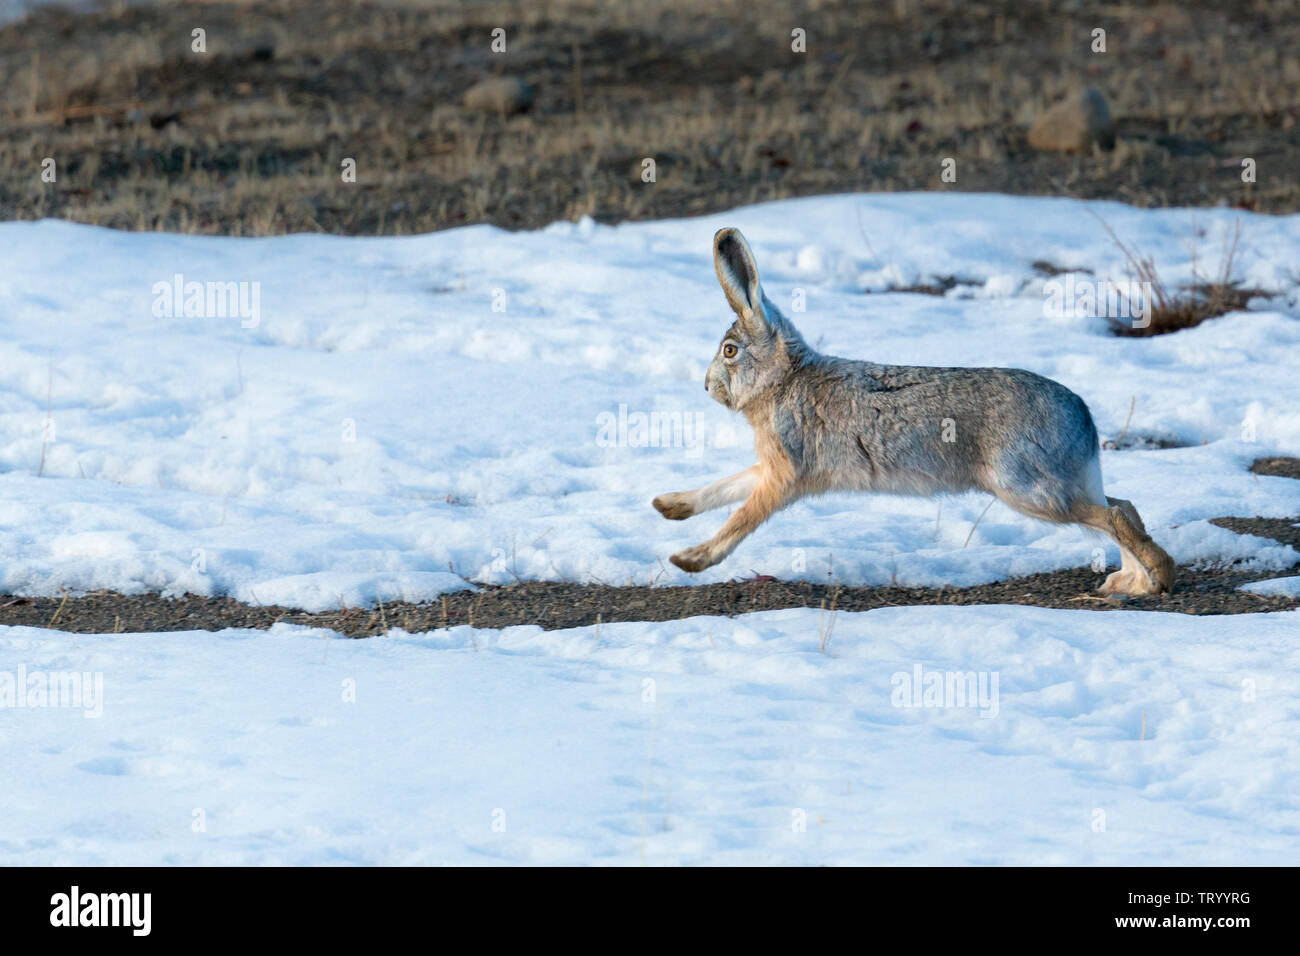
369, 426
373, 428
1283, 587
1114, 738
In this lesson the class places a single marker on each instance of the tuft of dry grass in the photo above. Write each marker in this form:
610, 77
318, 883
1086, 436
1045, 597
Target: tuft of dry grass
1190, 305
826, 624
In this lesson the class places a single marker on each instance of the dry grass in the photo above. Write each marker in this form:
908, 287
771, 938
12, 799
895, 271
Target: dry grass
247, 139
1187, 306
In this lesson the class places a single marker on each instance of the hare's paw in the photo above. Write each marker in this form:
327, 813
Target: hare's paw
676, 505
1123, 581
694, 559
1138, 581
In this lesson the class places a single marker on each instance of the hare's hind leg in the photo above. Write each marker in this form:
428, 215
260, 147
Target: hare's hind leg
678, 505
1157, 563
1145, 568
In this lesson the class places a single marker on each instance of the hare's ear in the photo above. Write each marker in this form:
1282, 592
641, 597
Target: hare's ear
739, 276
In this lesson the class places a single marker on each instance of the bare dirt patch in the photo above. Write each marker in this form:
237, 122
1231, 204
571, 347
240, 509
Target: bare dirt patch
552, 604
1279, 467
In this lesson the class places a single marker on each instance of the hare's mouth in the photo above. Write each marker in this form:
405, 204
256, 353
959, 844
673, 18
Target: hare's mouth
718, 391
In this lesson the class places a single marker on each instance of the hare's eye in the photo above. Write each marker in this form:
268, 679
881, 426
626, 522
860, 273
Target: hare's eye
729, 350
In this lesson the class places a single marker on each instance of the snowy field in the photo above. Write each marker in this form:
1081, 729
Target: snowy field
1101, 738
372, 425
395, 417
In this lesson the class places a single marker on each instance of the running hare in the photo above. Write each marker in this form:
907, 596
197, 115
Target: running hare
831, 424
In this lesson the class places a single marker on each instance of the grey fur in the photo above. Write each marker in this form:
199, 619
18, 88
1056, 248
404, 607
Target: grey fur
832, 424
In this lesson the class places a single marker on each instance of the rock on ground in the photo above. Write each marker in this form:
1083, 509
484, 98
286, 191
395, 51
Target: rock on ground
1074, 124
506, 95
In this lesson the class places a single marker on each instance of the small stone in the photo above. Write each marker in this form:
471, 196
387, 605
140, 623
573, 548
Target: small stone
1074, 124
505, 95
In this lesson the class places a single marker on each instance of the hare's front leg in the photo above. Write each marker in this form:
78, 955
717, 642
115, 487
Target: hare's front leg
767, 497
678, 505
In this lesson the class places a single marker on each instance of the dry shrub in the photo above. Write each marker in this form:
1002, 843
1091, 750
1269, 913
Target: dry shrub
1207, 297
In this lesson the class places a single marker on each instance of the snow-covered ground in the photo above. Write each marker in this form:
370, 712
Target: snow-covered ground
1100, 738
386, 411
394, 416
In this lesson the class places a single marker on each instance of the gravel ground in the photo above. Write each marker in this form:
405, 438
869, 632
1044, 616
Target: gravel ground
552, 604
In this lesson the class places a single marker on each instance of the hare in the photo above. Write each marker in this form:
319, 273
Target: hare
831, 424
